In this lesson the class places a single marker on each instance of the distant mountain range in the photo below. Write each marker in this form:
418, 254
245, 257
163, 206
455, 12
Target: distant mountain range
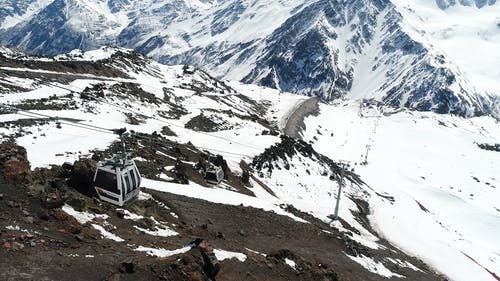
392, 51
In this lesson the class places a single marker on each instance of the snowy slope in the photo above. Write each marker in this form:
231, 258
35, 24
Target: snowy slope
156, 79
445, 188
15, 12
468, 35
431, 190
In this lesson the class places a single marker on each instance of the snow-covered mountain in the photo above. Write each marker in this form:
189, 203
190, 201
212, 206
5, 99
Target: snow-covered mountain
444, 4
393, 51
427, 183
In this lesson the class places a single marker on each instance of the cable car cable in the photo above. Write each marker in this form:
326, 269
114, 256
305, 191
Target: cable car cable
112, 131
166, 122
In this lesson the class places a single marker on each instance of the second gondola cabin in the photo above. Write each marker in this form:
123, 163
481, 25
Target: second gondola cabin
117, 180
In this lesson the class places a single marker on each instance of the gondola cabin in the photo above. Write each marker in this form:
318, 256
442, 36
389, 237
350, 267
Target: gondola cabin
214, 174
117, 180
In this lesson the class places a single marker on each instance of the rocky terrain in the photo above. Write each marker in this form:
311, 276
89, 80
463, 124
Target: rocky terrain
268, 219
41, 240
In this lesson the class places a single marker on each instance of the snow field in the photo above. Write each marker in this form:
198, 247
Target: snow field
437, 175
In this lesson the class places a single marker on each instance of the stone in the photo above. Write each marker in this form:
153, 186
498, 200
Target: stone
14, 164
17, 246
53, 200
29, 219
45, 215
79, 238
127, 266
77, 203
120, 213
147, 223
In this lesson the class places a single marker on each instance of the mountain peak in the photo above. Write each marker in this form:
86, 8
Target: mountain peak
94, 55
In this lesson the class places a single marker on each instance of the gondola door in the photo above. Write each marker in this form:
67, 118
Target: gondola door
131, 182
108, 185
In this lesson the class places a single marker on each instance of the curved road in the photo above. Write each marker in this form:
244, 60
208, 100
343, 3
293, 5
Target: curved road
295, 123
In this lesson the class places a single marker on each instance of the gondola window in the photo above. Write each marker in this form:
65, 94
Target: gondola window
107, 181
128, 187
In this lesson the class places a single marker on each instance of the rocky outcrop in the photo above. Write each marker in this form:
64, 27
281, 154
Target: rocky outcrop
14, 164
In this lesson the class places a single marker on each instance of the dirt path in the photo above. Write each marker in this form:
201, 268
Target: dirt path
295, 123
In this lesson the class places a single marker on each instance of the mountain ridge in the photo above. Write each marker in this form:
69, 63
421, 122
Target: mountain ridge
330, 49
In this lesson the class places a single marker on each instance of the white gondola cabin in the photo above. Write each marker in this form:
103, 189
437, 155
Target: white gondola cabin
214, 174
117, 180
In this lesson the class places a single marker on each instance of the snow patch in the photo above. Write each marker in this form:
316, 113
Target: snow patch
162, 253
163, 232
129, 215
223, 255
215, 195
255, 252
405, 264
106, 234
85, 217
291, 263
375, 267
82, 217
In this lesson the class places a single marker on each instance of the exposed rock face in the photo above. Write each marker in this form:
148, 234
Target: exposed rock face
14, 164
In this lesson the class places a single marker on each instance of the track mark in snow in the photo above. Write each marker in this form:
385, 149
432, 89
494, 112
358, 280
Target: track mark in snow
422, 207
295, 121
490, 272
